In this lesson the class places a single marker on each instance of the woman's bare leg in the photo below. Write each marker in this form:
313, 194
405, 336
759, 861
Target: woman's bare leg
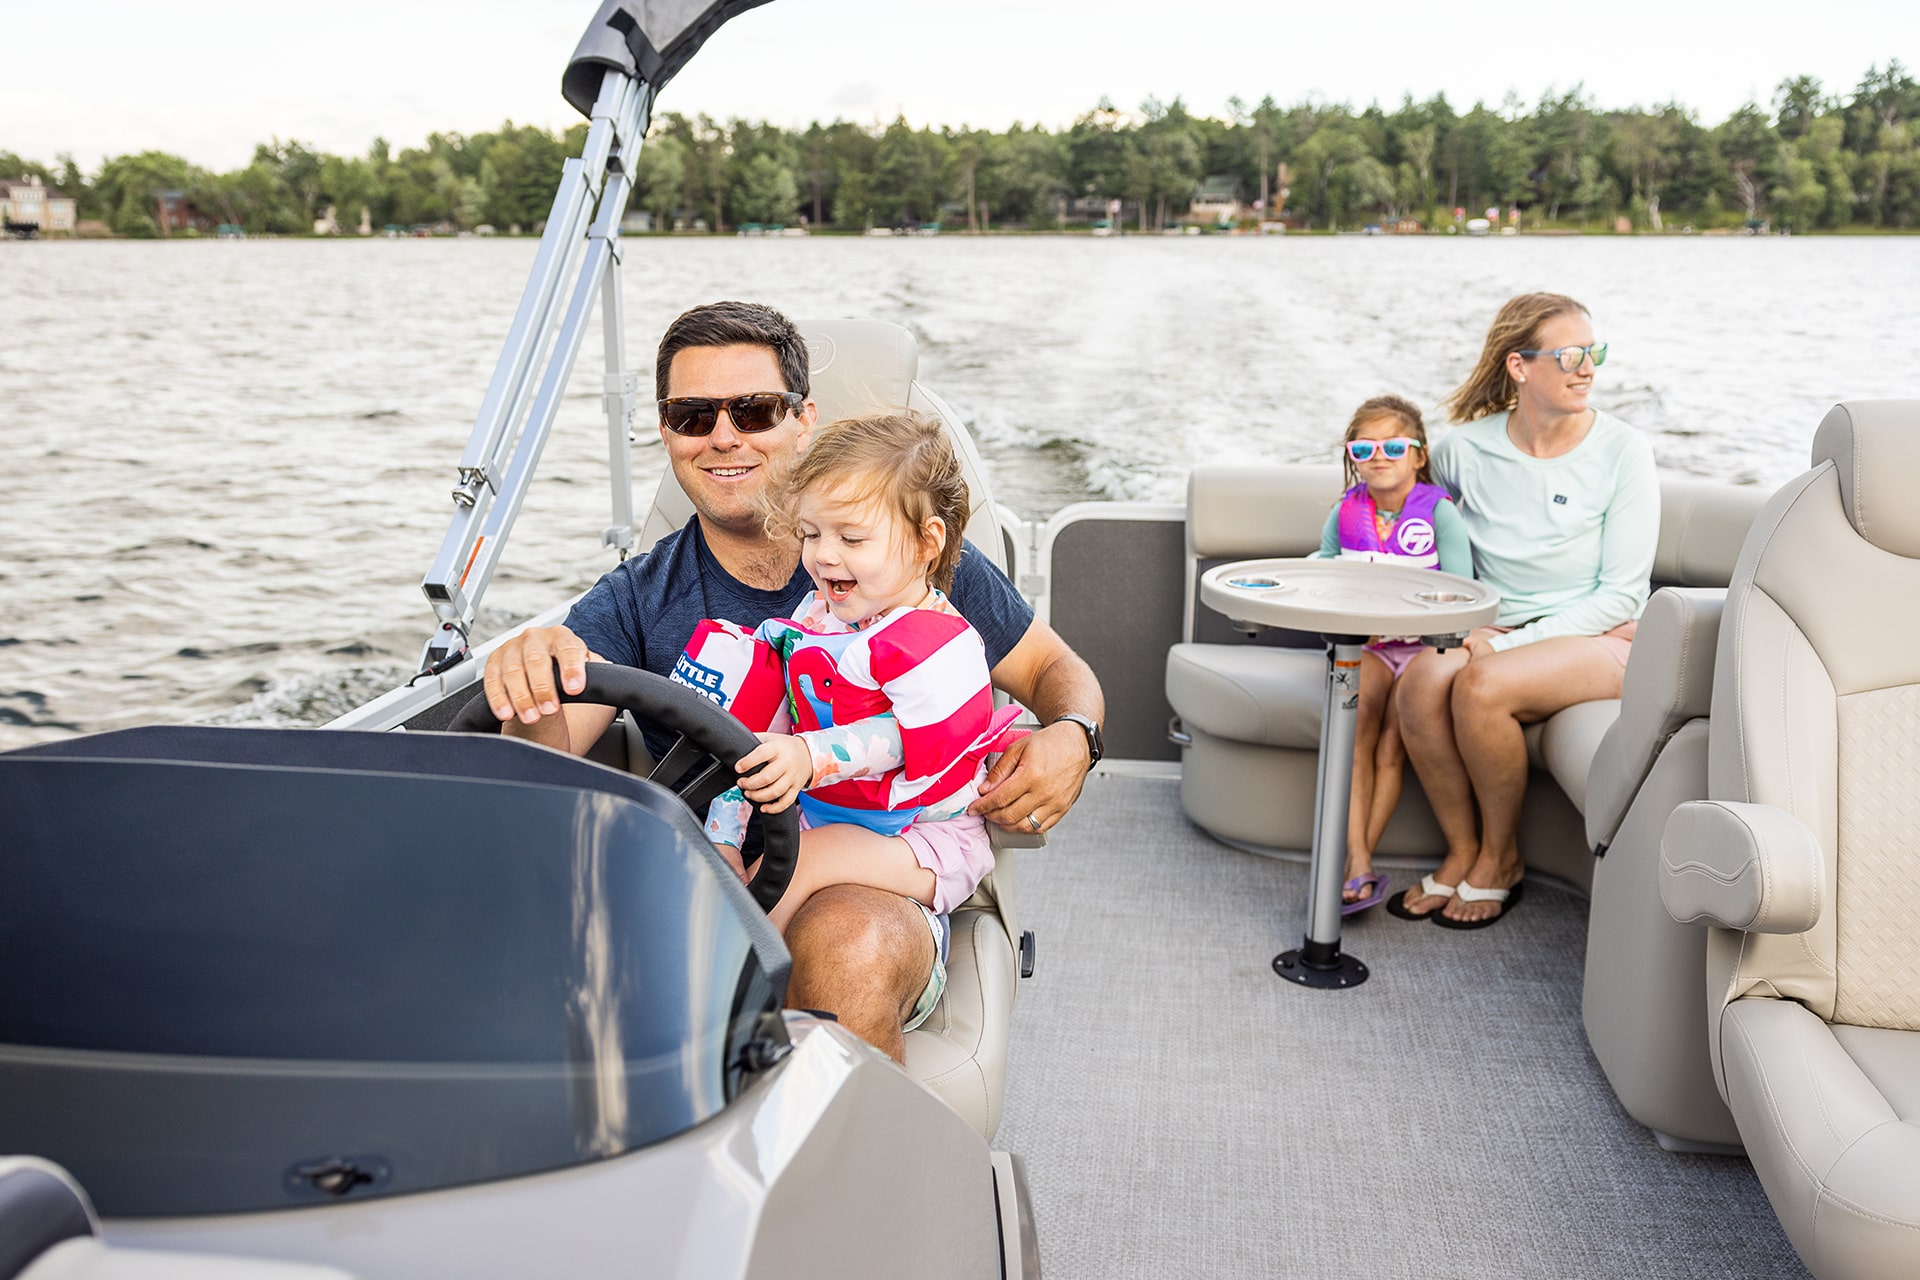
1423, 702
841, 853
1376, 684
1493, 700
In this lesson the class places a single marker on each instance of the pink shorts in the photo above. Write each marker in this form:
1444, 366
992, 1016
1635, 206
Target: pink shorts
1396, 654
956, 851
1617, 642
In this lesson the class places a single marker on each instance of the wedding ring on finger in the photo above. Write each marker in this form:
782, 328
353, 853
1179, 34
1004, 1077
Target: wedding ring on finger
1033, 820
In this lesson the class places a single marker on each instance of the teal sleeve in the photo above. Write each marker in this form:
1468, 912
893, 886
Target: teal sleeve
1330, 536
1450, 535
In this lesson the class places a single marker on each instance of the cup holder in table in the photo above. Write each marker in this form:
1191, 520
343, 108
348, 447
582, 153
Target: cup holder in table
1443, 597
1255, 584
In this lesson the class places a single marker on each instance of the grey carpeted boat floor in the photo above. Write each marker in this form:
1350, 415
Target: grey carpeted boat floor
1184, 1112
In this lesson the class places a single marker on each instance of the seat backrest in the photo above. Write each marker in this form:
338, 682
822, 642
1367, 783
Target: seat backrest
859, 367
1703, 525
1815, 707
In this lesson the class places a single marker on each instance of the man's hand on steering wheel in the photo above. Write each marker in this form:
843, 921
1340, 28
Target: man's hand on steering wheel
519, 675
1036, 780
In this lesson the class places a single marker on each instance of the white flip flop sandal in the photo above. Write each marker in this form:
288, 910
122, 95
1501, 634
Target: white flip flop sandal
1507, 898
1397, 905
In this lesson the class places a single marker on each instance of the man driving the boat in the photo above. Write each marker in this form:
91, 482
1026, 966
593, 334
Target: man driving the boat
736, 375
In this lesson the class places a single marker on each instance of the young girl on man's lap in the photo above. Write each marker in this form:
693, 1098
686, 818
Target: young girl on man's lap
1391, 512
886, 688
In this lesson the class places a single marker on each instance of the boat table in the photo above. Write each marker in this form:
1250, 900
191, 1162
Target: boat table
1345, 602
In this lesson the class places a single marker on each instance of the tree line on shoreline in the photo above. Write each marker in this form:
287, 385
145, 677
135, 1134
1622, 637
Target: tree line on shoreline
1811, 160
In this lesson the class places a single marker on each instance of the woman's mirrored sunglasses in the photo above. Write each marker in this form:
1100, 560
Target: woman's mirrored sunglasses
1393, 450
1571, 358
756, 411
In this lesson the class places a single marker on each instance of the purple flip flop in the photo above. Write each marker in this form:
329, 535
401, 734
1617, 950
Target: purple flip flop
1376, 886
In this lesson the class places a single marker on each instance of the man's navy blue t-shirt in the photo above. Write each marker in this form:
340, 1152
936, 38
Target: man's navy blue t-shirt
643, 612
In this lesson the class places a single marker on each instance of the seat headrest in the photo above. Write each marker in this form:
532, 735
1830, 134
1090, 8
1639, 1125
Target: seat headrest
859, 366
1236, 510
1875, 447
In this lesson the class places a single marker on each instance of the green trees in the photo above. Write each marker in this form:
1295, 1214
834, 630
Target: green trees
127, 187
1810, 160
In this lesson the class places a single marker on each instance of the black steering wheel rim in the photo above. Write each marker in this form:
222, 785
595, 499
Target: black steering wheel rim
697, 768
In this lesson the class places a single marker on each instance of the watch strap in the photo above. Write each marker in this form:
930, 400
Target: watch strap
1095, 748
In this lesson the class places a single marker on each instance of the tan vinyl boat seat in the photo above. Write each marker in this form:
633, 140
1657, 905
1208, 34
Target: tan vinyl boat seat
1249, 714
960, 1051
1803, 860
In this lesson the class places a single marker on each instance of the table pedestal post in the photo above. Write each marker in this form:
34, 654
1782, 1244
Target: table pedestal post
1318, 961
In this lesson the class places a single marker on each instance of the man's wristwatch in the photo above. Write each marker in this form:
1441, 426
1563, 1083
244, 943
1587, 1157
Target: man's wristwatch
1096, 747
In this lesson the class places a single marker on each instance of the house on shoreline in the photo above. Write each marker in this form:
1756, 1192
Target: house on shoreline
30, 207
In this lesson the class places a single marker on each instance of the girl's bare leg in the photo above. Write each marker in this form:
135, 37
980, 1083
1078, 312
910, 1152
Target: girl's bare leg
1389, 769
1423, 701
1493, 700
1376, 683
841, 853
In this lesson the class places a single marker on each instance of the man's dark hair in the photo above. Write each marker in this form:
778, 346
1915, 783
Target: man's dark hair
731, 324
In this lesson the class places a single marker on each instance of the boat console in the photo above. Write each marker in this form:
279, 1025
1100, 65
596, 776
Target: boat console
250, 969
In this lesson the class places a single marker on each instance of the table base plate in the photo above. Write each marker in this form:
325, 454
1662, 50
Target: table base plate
1337, 972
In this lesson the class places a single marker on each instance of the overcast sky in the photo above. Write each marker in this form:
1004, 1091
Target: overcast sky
208, 79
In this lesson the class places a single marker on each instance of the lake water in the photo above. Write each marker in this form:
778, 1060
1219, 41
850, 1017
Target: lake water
229, 462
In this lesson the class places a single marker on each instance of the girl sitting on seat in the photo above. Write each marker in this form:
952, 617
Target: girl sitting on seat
886, 690
1391, 512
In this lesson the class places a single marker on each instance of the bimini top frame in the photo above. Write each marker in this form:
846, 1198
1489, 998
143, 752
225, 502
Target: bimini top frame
630, 51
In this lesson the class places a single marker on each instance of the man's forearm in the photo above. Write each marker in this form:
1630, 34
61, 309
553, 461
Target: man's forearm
573, 729
548, 731
1066, 684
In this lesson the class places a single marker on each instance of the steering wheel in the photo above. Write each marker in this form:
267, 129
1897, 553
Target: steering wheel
697, 768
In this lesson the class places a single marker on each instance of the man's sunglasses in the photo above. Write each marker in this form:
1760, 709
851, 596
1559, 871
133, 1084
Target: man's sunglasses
756, 411
1571, 358
1393, 450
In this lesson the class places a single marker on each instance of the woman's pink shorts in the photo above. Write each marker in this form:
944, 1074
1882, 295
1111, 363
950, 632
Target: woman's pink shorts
956, 851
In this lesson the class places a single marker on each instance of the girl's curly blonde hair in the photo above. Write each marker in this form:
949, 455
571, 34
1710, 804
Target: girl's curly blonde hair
905, 461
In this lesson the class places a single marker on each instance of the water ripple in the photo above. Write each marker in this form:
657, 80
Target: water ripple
229, 463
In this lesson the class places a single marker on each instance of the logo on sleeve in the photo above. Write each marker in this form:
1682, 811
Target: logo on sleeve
1560, 499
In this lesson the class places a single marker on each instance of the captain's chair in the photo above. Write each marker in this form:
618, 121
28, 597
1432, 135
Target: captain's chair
960, 1051
1806, 859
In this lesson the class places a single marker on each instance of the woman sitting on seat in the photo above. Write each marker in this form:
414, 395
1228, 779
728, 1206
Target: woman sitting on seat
1563, 506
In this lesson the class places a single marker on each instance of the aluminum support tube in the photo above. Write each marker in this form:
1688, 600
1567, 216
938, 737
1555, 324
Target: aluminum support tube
1318, 962
621, 398
519, 474
621, 100
559, 243
1332, 793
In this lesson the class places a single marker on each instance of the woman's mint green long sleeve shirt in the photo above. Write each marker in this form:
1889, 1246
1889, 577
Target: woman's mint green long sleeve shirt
1568, 542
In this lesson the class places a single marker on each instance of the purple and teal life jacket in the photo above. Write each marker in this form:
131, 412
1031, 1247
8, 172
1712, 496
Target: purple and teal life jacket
1411, 541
